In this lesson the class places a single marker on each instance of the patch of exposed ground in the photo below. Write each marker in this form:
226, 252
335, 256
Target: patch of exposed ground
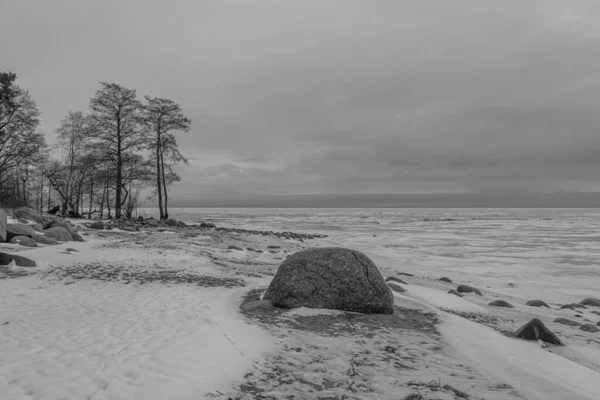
342, 355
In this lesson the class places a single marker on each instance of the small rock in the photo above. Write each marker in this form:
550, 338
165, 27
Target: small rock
589, 328
23, 241
395, 279
536, 330
405, 273
264, 305
395, 287
568, 322
537, 303
590, 301
232, 247
501, 303
97, 225
454, 292
445, 279
468, 289
572, 306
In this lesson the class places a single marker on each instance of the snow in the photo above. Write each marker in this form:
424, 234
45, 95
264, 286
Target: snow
87, 339
441, 299
535, 372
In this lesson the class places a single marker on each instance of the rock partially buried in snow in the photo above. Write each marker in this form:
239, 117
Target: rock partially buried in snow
537, 303
172, 222
565, 321
233, 247
23, 241
28, 214
535, 329
454, 292
13, 230
331, 278
572, 306
77, 237
590, 301
445, 279
395, 279
98, 225
59, 223
468, 289
589, 328
501, 303
6, 259
395, 287
264, 305
58, 233
41, 239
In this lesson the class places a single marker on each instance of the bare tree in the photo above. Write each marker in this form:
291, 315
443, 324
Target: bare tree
115, 113
161, 118
67, 175
20, 144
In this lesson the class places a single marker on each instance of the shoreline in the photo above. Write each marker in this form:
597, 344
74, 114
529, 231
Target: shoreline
303, 353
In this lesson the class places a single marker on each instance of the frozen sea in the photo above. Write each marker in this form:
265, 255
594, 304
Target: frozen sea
548, 253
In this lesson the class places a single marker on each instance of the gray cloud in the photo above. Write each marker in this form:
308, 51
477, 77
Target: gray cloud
340, 96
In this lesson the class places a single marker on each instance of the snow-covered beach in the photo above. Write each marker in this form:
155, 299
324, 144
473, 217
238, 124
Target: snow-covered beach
156, 314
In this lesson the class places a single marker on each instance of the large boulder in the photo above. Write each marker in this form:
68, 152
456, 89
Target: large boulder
58, 233
28, 214
3, 224
97, 225
536, 330
332, 278
41, 239
590, 301
23, 241
13, 230
6, 259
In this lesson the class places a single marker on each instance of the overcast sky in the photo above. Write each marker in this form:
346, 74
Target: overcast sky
321, 97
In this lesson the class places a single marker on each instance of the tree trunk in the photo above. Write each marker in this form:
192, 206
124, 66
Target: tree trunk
162, 161
158, 180
119, 183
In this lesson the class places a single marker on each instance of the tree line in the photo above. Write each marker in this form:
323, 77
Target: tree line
104, 156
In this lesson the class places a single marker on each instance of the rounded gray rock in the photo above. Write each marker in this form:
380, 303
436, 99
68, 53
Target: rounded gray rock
21, 261
501, 303
537, 303
23, 241
590, 301
589, 328
97, 225
331, 278
58, 233
395, 287
568, 322
13, 230
468, 289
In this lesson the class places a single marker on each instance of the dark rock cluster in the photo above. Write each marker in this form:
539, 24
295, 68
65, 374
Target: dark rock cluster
283, 235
